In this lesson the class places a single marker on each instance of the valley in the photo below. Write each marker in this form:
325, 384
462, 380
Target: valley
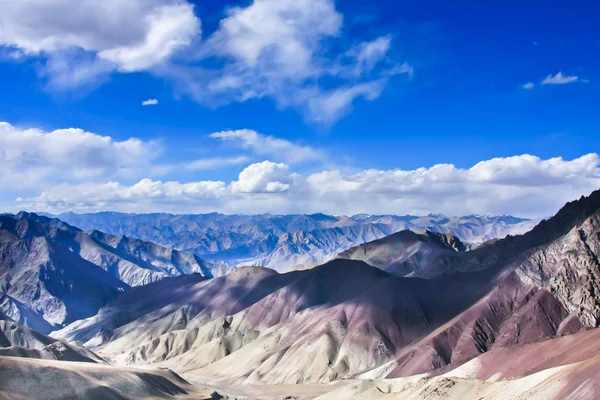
409, 315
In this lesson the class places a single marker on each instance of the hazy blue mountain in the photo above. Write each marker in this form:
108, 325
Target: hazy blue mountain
285, 241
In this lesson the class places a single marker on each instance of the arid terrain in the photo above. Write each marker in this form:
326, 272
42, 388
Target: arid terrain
410, 316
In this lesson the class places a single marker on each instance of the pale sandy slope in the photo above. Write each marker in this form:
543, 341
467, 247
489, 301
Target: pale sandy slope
562, 368
577, 381
17, 340
22, 378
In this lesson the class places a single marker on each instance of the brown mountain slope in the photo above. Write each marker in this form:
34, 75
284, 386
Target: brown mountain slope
368, 315
521, 360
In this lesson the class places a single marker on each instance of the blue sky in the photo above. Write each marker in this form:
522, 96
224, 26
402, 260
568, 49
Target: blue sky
387, 87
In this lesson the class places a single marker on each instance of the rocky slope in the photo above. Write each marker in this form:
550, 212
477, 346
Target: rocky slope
52, 274
284, 241
560, 255
561, 368
19, 341
405, 253
333, 321
40, 280
133, 261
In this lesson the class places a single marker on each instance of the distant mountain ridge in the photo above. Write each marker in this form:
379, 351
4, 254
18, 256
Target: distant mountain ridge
284, 242
406, 253
52, 273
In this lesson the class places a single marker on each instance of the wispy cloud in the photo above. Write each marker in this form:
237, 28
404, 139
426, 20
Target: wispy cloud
215, 163
559, 79
150, 102
276, 148
283, 49
280, 49
528, 85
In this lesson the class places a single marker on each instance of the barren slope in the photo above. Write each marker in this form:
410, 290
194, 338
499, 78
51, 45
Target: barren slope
22, 378
574, 382
255, 325
405, 252
345, 319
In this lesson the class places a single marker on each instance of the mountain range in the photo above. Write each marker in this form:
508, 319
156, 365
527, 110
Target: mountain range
52, 273
286, 242
413, 315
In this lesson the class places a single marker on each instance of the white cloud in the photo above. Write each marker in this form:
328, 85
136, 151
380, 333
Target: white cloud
515, 185
399, 69
332, 105
281, 49
168, 28
528, 85
150, 102
34, 159
31, 156
278, 149
368, 54
215, 163
201, 164
261, 177
128, 36
283, 32
559, 79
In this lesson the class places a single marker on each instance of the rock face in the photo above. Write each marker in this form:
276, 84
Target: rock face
406, 253
283, 242
443, 310
40, 280
133, 261
560, 255
52, 274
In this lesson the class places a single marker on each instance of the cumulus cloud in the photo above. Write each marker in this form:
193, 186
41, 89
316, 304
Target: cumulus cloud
167, 28
30, 156
87, 38
284, 32
134, 35
266, 176
150, 102
514, 185
559, 79
278, 149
